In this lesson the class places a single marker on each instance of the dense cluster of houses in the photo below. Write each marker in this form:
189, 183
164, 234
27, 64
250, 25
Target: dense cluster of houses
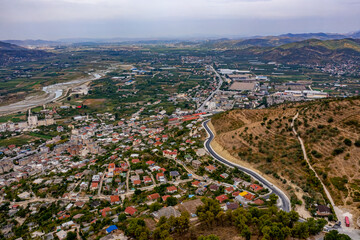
71, 162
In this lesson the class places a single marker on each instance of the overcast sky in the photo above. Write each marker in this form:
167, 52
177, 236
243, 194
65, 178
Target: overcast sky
56, 19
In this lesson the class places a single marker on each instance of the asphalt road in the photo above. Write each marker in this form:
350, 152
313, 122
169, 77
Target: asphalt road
284, 200
202, 107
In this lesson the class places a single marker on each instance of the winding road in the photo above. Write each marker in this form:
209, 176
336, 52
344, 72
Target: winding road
284, 202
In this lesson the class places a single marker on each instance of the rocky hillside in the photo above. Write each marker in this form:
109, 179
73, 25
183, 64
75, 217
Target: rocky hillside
331, 132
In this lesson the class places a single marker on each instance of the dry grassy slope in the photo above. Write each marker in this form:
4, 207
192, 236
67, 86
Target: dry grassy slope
324, 128
263, 138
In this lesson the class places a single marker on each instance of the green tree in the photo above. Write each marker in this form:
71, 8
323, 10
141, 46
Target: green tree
207, 212
240, 222
182, 224
246, 233
334, 235
171, 201
273, 199
155, 206
162, 231
347, 142
209, 237
300, 230
71, 235
137, 229
316, 226
294, 217
122, 217
160, 234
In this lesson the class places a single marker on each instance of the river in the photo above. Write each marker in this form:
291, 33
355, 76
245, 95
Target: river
50, 94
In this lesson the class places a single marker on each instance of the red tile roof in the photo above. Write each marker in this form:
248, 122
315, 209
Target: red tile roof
249, 196
210, 168
135, 161
234, 194
137, 182
130, 210
171, 189
165, 197
153, 196
114, 198
229, 189
258, 202
222, 198
195, 183
104, 211
256, 187
190, 118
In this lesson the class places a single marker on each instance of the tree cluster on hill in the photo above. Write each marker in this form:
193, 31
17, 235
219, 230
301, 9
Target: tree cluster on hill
266, 224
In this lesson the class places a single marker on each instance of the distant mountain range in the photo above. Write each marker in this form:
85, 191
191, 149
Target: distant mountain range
263, 41
33, 42
311, 51
308, 48
272, 41
11, 53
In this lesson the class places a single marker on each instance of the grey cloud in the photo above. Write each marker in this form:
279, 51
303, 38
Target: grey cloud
53, 19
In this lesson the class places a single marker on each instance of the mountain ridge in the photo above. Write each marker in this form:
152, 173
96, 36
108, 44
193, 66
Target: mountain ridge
239, 41
307, 52
11, 53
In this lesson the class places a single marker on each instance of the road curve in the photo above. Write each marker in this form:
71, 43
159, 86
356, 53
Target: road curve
284, 200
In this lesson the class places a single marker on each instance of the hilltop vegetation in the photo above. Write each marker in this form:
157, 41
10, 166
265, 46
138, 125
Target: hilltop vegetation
330, 130
252, 223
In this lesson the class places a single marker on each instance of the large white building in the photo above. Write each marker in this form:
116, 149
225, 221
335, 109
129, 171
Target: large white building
32, 120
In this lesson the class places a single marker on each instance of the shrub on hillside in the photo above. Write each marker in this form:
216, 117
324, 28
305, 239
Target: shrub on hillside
347, 142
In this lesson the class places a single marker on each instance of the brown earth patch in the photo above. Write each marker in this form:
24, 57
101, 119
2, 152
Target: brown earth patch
91, 102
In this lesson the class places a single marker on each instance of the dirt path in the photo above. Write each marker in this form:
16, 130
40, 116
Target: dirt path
310, 166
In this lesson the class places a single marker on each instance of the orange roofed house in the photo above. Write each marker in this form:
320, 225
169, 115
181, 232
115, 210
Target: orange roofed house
210, 168
130, 210
222, 198
170, 154
105, 211
115, 199
153, 196
94, 185
160, 177
256, 188
171, 189
111, 167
